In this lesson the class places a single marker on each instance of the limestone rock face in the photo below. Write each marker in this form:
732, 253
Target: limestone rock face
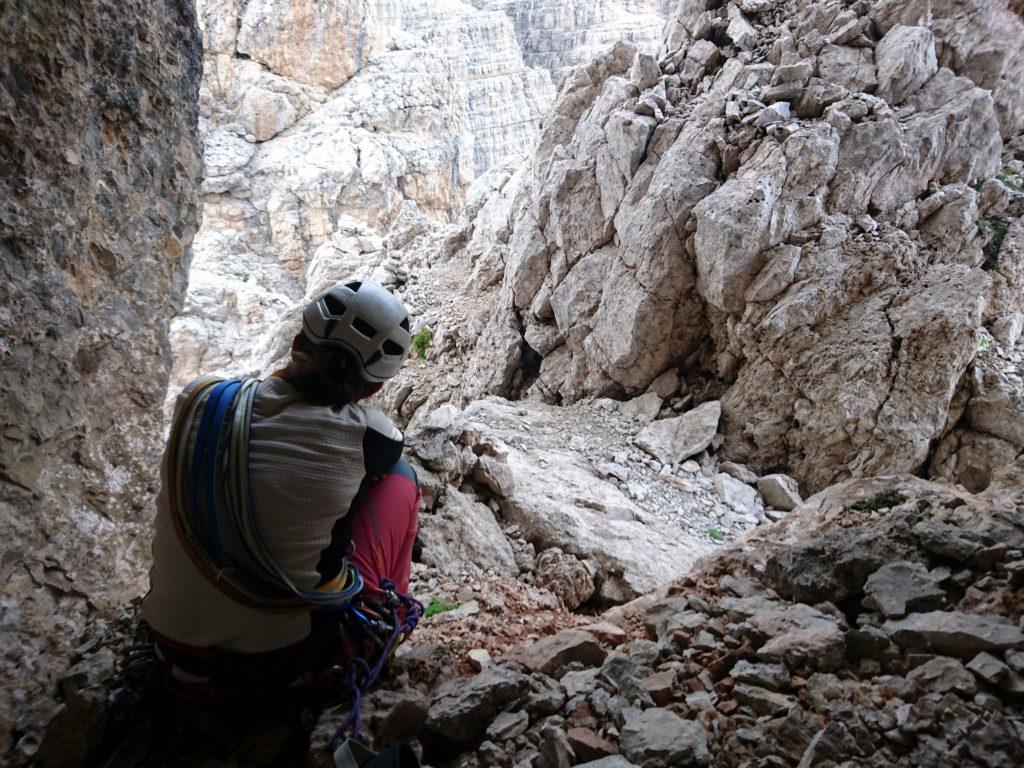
326, 127
557, 34
98, 205
809, 210
319, 44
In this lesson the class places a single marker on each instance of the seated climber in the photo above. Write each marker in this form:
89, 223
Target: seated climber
287, 515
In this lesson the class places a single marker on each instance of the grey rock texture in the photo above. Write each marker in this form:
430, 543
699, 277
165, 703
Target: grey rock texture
956, 634
566, 576
99, 172
462, 533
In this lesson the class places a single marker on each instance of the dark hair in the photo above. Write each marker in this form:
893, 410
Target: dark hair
325, 375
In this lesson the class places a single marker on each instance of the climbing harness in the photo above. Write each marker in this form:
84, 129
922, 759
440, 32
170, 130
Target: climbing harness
210, 500
383, 619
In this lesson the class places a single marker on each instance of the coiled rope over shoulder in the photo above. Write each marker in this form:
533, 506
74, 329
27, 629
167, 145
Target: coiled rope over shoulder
210, 494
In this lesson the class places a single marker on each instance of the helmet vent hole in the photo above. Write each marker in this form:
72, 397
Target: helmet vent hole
364, 328
392, 348
335, 307
354, 285
405, 324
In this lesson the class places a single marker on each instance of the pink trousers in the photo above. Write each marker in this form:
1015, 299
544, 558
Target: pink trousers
384, 524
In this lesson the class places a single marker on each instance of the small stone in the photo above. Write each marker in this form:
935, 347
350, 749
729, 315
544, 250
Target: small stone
555, 750
625, 675
771, 676
566, 576
830, 745
645, 71
739, 30
943, 674
659, 686
553, 654
705, 641
666, 385
588, 745
989, 669
955, 633
679, 438
462, 708
580, 682
779, 491
680, 485
659, 738
508, 725
948, 541
479, 658
738, 471
700, 700
617, 470
643, 409
790, 72
605, 631
761, 700
1015, 660
902, 587
740, 496
773, 113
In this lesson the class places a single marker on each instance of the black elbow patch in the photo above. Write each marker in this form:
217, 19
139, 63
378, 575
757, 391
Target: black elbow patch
380, 452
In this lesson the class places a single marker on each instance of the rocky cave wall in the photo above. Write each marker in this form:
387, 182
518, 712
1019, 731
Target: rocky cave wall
809, 210
98, 206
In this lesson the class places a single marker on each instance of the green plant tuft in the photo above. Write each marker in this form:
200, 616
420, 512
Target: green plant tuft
1011, 179
421, 342
439, 606
881, 501
995, 230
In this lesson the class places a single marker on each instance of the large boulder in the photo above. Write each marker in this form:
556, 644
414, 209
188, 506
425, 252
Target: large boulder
462, 533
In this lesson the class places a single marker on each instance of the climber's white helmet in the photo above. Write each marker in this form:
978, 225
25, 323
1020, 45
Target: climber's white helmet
364, 319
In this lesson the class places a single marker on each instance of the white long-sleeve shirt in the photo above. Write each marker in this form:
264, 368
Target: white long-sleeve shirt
306, 463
